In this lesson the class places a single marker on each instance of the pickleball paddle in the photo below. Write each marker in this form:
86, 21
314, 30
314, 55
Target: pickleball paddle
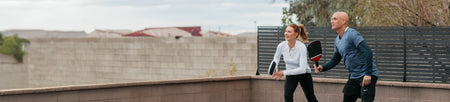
272, 67
315, 51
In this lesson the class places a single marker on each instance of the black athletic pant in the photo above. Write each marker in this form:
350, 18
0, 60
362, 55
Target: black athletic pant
291, 84
353, 90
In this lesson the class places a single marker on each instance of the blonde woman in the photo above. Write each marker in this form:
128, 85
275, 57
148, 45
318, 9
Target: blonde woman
297, 69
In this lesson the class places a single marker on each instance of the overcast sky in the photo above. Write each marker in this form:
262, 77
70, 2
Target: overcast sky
230, 16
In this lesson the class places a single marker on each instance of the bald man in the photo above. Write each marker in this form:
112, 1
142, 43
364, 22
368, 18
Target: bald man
357, 56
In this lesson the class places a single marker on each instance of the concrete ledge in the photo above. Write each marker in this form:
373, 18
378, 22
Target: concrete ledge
220, 89
197, 80
117, 85
379, 83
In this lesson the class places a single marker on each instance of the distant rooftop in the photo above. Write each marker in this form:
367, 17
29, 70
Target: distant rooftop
37, 33
109, 32
168, 32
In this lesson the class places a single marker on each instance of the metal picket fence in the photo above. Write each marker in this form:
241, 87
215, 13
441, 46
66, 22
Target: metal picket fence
407, 54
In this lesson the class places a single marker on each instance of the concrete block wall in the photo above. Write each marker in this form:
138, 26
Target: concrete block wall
63, 61
7, 59
12, 74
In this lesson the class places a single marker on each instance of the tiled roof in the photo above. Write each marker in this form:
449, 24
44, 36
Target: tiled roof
138, 34
195, 31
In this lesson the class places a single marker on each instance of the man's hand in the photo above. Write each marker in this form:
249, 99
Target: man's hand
318, 69
367, 79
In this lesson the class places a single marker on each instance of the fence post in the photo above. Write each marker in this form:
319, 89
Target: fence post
404, 54
324, 51
257, 50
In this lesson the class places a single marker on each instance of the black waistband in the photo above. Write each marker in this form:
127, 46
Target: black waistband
306, 74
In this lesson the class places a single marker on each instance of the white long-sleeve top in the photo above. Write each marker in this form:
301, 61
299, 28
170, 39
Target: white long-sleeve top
296, 59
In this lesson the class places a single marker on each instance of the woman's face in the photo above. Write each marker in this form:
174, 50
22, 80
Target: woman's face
290, 34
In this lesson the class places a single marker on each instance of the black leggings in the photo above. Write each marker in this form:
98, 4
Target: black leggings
353, 90
291, 84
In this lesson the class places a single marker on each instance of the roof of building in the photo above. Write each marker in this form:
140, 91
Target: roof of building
109, 32
195, 31
37, 33
137, 34
171, 31
214, 34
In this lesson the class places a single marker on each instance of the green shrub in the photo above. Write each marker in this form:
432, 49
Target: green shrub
1, 39
13, 46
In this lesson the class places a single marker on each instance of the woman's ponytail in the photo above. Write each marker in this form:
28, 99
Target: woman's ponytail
303, 34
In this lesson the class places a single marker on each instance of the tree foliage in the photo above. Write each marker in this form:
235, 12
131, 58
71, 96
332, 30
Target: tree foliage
317, 12
370, 12
403, 12
13, 46
1, 39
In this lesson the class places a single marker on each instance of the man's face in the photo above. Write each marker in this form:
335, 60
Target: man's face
336, 22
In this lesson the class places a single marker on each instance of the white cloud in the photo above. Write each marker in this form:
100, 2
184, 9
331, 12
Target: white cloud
277, 5
166, 6
262, 14
226, 4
